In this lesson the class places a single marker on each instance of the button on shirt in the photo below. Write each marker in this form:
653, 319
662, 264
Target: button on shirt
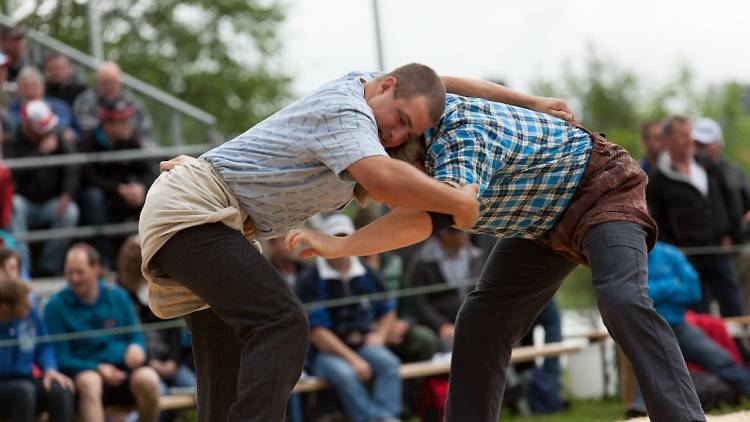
292, 165
527, 164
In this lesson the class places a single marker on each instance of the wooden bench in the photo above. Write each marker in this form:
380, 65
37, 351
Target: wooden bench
407, 370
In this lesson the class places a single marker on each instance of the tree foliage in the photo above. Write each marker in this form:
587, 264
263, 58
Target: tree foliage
609, 98
218, 55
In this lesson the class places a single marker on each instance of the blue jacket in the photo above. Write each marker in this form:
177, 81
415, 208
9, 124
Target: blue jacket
16, 360
66, 313
346, 319
672, 282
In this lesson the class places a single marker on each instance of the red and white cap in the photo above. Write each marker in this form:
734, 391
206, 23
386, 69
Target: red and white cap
39, 117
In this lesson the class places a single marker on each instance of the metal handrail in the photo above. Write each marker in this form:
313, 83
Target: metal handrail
136, 84
104, 157
106, 230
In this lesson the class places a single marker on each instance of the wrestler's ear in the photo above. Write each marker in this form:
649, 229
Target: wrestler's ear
387, 83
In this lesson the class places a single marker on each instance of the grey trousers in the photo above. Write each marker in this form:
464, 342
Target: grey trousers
519, 279
250, 346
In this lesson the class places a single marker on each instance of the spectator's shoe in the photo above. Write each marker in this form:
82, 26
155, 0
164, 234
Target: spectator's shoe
635, 412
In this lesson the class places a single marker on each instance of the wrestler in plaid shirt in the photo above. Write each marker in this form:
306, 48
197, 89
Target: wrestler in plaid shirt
527, 164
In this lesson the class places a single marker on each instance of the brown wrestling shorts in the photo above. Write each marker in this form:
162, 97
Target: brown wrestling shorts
612, 188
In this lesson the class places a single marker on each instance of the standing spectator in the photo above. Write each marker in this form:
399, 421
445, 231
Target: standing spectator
690, 201
61, 83
22, 395
651, 139
349, 339
108, 88
13, 45
709, 141
30, 87
449, 258
44, 196
108, 370
163, 347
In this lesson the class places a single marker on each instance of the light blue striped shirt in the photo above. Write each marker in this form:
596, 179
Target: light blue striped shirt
292, 165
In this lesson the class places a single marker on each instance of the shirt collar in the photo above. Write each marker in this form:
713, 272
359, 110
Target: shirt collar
327, 272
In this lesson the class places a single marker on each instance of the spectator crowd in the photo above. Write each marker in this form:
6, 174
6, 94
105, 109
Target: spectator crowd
699, 198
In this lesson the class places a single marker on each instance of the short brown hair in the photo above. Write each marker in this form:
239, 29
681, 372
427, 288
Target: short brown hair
646, 126
418, 80
92, 256
413, 151
670, 122
13, 291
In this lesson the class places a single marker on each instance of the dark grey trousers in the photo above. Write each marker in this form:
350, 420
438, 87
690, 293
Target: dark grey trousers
519, 279
250, 345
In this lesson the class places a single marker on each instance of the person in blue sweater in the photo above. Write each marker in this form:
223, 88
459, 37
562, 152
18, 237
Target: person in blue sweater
22, 395
107, 369
673, 284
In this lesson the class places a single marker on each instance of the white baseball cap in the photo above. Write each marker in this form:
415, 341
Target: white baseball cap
39, 117
706, 131
337, 225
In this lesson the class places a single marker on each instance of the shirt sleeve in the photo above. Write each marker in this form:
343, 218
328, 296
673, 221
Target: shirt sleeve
460, 155
44, 353
348, 136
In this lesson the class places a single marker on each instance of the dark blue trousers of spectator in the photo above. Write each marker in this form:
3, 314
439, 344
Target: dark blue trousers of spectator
22, 399
518, 280
718, 280
550, 321
698, 348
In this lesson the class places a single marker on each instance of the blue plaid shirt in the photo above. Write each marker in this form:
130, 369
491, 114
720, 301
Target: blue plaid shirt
527, 164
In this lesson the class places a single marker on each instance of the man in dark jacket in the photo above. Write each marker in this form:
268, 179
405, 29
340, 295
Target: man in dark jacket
114, 191
690, 201
43, 195
448, 258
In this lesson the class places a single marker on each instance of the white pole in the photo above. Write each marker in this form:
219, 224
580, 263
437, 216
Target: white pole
378, 40
95, 32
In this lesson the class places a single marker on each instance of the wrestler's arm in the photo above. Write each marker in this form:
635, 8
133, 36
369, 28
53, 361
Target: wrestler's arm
498, 93
399, 184
397, 229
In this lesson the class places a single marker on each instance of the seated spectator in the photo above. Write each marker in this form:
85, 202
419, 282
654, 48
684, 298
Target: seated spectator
13, 45
288, 265
30, 87
673, 285
10, 263
163, 347
22, 395
113, 192
44, 195
447, 258
7, 90
59, 78
108, 370
349, 339
108, 88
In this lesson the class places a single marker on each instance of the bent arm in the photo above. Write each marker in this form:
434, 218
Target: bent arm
501, 94
327, 342
401, 185
400, 227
